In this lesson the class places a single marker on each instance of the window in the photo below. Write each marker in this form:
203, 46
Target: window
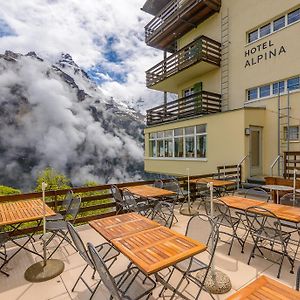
274, 25
291, 133
274, 88
264, 91
293, 84
252, 94
294, 16
253, 36
279, 23
265, 30
278, 87
188, 142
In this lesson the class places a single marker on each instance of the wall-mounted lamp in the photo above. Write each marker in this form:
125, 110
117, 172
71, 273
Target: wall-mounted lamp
247, 131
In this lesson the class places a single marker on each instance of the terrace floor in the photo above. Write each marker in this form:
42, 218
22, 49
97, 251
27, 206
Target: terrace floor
235, 266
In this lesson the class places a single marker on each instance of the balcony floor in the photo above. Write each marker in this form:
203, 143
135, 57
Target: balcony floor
235, 266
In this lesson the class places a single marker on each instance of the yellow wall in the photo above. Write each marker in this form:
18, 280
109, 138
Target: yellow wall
226, 142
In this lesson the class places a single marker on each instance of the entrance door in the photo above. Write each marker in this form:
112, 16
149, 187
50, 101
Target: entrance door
255, 151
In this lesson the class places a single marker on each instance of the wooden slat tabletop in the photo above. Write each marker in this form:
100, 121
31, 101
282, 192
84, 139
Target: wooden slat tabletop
241, 202
121, 225
216, 182
22, 211
149, 191
265, 288
284, 212
158, 248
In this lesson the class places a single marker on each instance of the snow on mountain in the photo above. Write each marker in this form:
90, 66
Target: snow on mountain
55, 115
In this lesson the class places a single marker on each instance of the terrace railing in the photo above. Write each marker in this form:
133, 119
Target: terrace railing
177, 18
203, 49
197, 104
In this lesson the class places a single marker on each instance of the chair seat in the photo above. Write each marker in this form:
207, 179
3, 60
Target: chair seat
196, 265
107, 251
57, 217
134, 287
227, 221
56, 225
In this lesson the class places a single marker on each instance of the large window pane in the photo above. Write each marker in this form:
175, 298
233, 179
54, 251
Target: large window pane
264, 91
160, 134
201, 128
279, 23
178, 147
294, 16
189, 146
168, 133
293, 83
253, 36
152, 135
278, 87
265, 30
252, 94
168, 148
189, 130
152, 149
201, 146
160, 148
178, 132
292, 134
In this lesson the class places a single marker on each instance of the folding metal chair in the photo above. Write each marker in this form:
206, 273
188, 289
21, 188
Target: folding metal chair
59, 227
117, 195
158, 184
266, 231
225, 218
108, 253
290, 199
131, 284
258, 194
143, 208
163, 213
3, 255
209, 235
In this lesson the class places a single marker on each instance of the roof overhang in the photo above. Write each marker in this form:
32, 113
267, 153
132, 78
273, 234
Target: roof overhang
153, 7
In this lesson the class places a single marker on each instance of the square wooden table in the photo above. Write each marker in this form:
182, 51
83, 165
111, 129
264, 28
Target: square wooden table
241, 203
148, 191
216, 182
265, 288
122, 225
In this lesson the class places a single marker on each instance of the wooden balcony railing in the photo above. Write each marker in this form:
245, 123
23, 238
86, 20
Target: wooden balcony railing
197, 104
177, 18
203, 49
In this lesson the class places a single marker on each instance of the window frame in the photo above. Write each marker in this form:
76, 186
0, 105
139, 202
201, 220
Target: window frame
285, 130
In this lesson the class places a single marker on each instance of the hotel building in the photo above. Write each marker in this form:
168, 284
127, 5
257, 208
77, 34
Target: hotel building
235, 66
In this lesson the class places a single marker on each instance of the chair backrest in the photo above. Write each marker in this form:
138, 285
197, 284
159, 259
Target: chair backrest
260, 220
223, 211
79, 244
73, 209
202, 228
257, 193
163, 213
130, 201
116, 194
103, 272
66, 202
158, 184
290, 199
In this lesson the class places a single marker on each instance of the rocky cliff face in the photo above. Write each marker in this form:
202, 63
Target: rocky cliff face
54, 115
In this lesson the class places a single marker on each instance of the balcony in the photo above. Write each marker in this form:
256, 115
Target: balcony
200, 56
177, 18
197, 104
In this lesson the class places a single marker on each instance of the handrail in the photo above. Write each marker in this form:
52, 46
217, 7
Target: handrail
274, 163
238, 171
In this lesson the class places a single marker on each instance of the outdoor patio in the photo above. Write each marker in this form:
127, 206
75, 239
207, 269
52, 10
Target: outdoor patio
59, 288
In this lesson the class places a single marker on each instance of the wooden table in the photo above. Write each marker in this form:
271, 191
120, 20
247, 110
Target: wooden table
265, 288
22, 211
18, 212
148, 191
122, 225
241, 203
216, 182
151, 249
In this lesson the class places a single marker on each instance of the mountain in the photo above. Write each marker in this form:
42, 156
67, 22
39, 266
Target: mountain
54, 115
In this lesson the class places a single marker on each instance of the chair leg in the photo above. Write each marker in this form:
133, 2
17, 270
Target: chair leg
73, 288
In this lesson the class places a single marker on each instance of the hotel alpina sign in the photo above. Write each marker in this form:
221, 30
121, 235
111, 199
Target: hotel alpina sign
261, 52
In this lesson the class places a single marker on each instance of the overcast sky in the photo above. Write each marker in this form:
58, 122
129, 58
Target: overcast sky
105, 37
